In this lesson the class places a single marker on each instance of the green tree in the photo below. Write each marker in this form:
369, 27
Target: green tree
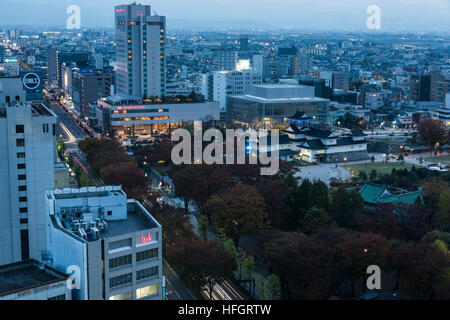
444, 204
203, 227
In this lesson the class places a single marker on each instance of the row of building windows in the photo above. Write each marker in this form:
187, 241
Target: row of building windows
140, 118
126, 260
140, 293
146, 273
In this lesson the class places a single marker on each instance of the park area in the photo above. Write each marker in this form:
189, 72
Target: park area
379, 167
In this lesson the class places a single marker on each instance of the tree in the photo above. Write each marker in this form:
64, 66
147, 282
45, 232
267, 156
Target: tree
132, 179
344, 203
175, 224
382, 221
203, 227
315, 219
269, 288
444, 205
241, 210
356, 254
373, 175
432, 190
432, 132
422, 270
303, 265
199, 263
277, 202
200, 182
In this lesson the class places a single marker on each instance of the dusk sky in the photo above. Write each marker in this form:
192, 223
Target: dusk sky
349, 15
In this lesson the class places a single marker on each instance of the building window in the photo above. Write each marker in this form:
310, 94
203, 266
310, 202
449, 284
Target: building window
146, 273
22, 188
60, 297
123, 296
45, 128
20, 128
20, 142
22, 199
20, 155
21, 166
120, 280
23, 221
24, 244
22, 177
147, 255
23, 210
146, 291
119, 261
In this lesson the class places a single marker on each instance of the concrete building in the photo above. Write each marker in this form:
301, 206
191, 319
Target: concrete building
33, 280
225, 60
140, 51
130, 116
340, 80
88, 85
113, 242
265, 105
28, 144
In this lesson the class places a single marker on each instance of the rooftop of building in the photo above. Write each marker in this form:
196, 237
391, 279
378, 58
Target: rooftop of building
373, 193
93, 219
86, 192
27, 274
37, 109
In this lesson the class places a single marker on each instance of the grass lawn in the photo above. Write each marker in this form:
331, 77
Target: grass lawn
442, 159
380, 167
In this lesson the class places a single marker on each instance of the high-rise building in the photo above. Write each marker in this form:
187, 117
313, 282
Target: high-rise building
244, 43
140, 51
88, 85
28, 144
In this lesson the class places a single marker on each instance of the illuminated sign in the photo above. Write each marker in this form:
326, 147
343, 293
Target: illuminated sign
120, 10
31, 81
131, 108
145, 239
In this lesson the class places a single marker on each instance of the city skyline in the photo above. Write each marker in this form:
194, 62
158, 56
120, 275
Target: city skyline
346, 15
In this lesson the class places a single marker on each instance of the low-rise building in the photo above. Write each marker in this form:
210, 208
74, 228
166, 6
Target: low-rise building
33, 280
130, 116
113, 243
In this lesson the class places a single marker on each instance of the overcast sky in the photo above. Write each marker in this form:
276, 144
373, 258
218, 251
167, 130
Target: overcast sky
350, 15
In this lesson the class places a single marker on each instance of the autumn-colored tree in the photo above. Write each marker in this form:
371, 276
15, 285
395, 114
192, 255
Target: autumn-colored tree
276, 198
175, 224
315, 219
423, 270
303, 265
132, 179
241, 210
200, 182
199, 263
381, 220
354, 255
432, 132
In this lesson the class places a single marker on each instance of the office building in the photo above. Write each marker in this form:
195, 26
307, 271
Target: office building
89, 85
33, 280
129, 116
56, 58
225, 60
140, 51
265, 105
28, 144
115, 243
243, 41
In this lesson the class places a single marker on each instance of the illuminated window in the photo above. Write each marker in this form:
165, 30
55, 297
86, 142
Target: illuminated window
123, 296
146, 291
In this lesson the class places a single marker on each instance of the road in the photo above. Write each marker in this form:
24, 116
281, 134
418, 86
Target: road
68, 128
174, 287
223, 291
